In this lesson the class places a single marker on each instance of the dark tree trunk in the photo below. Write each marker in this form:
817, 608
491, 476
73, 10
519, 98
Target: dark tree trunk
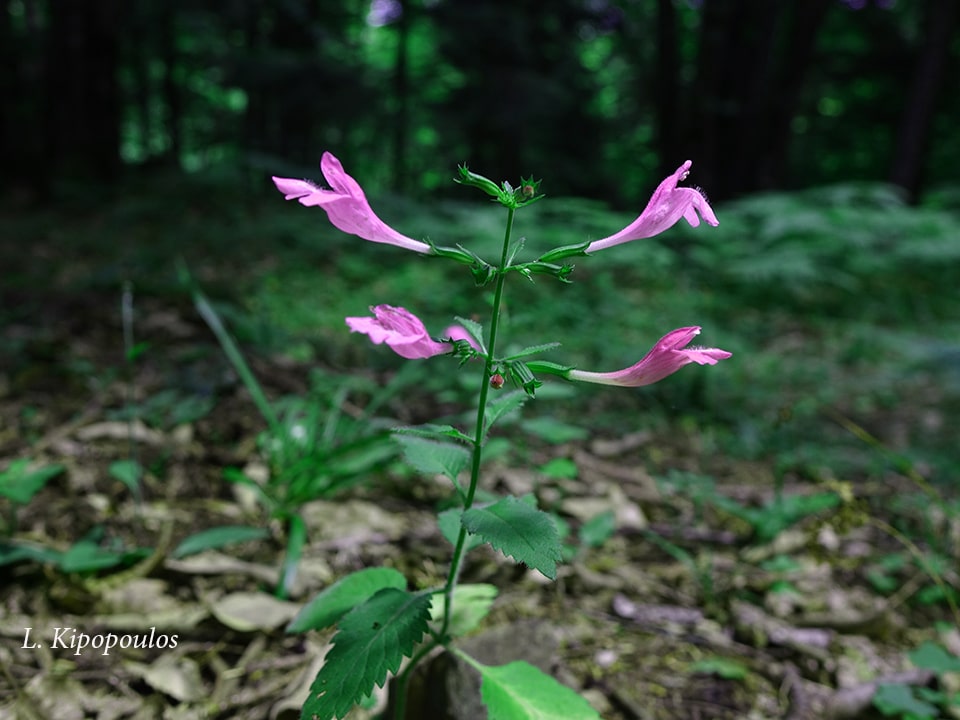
667, 87
21, 80
914, 130
140, 57
171, 88
82, 113
401, 90
752, 83
805, 24
255, 115
754, 55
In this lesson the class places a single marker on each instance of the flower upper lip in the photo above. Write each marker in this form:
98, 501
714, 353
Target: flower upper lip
667, 205
346, 205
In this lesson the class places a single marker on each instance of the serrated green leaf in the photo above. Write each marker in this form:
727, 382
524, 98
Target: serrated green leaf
20, 486
434, 432
518, 530
371, 641
503, 406
432, 456
449, 522
216, 538
340, 598
933, 657
471, 603
519, 691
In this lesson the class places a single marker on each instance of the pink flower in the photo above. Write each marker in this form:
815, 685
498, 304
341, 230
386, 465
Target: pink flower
346, 205
668, 204
666, 357
401, 330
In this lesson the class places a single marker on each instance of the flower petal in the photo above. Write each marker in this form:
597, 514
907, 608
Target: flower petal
401, 330
346, 205
668, 355
667, 205
298, 189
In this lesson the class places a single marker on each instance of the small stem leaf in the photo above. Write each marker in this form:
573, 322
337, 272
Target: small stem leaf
344, 595
504, 405
433, 456
371, 641
519, 691
514, 528
515, 247
471, 603
475, 330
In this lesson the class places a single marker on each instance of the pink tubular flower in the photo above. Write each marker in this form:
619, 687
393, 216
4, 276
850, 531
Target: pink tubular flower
668, 204
401, 330
346, 205
666, 357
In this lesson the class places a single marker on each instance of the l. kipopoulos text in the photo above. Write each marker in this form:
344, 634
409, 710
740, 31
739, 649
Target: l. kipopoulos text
70, 638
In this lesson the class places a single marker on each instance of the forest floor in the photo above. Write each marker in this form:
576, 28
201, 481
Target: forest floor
677, 612
694, 586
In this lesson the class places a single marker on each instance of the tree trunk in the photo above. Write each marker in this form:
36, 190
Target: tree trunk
667, 86
171, 89
401, 91
807, 19
914, 131
82, 109
754, 55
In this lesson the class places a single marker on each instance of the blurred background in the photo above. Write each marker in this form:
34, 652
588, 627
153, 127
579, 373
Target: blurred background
816, 468
605, 97
136, 136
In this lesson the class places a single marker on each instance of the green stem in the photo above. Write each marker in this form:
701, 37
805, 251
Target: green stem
460, 547
458, 551
403, 679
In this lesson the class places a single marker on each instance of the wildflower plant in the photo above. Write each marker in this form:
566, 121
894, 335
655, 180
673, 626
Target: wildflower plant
379, 620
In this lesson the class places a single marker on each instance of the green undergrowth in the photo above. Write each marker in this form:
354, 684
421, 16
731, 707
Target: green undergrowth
835, 301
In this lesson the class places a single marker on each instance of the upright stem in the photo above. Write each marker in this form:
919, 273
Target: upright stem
399, 712
458, 551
